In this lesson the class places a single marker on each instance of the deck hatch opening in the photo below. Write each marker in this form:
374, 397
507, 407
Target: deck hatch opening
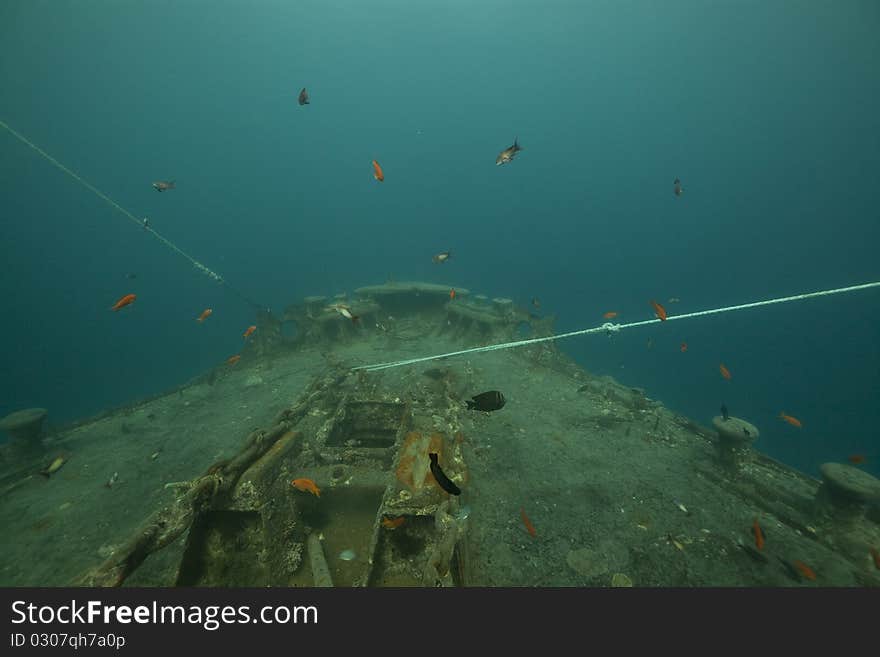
368, 425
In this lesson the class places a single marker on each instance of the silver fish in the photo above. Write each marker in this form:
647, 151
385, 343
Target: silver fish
162, 185
345, 311
508, 154
441, 257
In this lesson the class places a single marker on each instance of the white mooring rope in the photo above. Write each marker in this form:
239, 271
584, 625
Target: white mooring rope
614, 328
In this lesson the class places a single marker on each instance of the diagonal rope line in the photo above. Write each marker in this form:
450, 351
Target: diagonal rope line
613, 328
195, 263
140, 222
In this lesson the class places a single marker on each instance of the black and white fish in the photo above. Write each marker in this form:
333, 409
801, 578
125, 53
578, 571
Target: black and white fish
492, 400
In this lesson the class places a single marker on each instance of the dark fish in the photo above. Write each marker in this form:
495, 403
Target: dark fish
508, 154
535, 302
131, 276
303, 97
676, 187
441, 478
755, 554
790, 570
746, 431
162, 185
487, 401
724, 413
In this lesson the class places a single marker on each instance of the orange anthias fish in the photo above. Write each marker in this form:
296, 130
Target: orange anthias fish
724, 371
793, 421
856, 459
306, 486
528, 523
452, 294
124, 301
759, 535
659, 310
684, 347
232, 360
393, 523
377, 172
806, 571
610, 315
205, 314
250, 330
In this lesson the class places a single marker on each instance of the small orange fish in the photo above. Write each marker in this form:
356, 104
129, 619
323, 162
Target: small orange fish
232, 360
306, 486
793, 421
452, 294
124, 301
205, 314
250, 330
610, 315
759, 535
528, 523
856, 459
875, 555
684, 347
377, 172
806, 571
659, 310
724, 371
393, 523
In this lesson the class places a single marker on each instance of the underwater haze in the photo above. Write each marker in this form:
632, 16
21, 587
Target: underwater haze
768, 112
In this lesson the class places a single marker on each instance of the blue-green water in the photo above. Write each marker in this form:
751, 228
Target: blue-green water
768, 112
